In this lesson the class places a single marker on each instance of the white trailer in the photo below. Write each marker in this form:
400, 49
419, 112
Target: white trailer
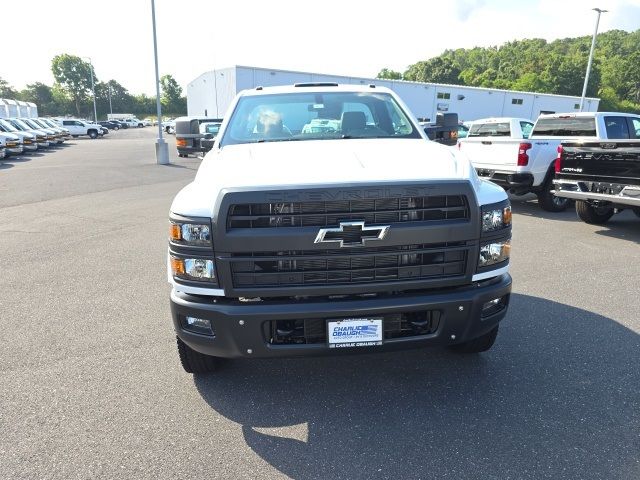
120, 116
211, 93
17, 109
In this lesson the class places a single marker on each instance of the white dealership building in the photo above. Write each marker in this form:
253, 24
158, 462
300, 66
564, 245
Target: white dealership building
212, 92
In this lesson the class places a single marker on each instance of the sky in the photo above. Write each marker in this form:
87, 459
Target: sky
342, 37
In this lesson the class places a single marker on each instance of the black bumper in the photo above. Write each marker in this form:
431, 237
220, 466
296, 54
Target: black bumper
240, 328
516, 181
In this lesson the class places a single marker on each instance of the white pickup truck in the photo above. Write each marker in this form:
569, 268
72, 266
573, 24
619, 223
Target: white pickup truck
361, 235
80, 127
523, 165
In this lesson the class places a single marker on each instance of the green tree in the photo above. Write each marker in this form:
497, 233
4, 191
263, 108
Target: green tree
41, 95
171, 98
6, 90
389, 74
74, 75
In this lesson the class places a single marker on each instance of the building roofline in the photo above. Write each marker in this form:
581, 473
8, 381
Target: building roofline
367, 80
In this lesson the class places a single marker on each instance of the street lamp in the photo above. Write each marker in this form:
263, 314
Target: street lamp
162, 149
593, 47
93, 89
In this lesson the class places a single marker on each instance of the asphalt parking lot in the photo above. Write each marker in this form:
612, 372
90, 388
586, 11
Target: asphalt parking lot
92, 388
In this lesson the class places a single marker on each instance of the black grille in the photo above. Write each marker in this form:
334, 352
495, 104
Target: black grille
314, 330
337, 266
331, 213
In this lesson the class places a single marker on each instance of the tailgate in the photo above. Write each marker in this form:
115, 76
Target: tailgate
616, 162
492, 153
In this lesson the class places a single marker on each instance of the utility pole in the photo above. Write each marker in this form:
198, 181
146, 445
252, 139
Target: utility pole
593, 47
162, 149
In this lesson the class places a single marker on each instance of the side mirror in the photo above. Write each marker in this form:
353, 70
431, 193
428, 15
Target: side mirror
447, 119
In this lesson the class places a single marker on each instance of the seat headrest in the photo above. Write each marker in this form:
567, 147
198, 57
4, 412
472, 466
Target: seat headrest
353, 121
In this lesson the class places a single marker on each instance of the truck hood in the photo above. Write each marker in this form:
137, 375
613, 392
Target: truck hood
315, 163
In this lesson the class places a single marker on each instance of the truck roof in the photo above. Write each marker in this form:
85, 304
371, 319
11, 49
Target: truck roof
500, 120
587, 114
320, 87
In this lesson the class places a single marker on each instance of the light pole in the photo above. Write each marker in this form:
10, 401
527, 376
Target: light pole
93, 90
593, 47
162, 149
110, 107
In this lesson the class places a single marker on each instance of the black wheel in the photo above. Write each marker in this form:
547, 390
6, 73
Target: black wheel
140, 125
549, 202
195, 362
477, 345
116, 128
591, 214
93, 134
636, 210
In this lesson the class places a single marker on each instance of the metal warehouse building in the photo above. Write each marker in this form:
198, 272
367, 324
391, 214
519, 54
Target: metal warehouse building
212, 92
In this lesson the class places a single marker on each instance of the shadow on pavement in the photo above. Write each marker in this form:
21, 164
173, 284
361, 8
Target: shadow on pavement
557, 397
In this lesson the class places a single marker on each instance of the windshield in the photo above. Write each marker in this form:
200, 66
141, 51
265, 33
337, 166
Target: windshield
317, 116
7, 126
40, 122
46, 122
20, 124
493, 129
565, 127
31, 123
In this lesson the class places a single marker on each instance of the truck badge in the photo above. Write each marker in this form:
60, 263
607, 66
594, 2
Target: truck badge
351, 234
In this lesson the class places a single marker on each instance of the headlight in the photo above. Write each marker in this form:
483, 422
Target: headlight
199, 269
494, 219
190, 234
495, 252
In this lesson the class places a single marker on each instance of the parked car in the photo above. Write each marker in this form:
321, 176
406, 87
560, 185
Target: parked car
42, 137
132, 122
602, 177
79, 127
13, 144
52, 135
526, 165
295, 242
2, 147
66, 134
169, 126
112, 124
29, 141
61, 133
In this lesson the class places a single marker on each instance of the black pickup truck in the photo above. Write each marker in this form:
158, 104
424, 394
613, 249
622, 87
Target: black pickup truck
603, 177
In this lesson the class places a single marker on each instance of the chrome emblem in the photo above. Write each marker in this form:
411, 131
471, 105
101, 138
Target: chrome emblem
351, 234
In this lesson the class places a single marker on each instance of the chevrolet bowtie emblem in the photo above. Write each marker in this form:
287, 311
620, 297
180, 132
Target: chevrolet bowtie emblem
351, 234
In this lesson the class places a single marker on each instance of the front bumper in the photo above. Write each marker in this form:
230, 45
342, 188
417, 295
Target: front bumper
31, 147
241, 327
15, 150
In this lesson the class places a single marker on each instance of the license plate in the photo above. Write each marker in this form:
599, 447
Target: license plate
354, 332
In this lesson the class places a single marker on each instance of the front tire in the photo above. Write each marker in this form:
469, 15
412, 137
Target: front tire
636, 210
92, 134
591, 214
549, 202
195, 362
477, 345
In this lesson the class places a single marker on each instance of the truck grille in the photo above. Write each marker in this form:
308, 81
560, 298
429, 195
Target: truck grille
330, 213
314, 330
362, 265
